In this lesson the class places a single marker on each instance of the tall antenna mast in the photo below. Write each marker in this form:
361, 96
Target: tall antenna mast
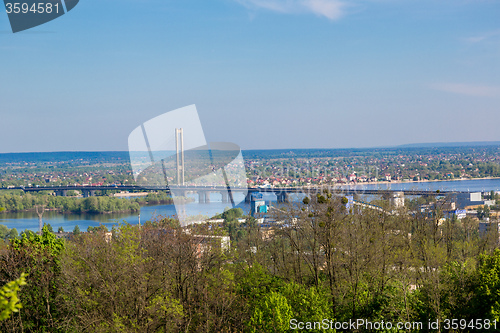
179, 154
182, 154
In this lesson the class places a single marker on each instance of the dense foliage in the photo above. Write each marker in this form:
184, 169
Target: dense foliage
322, 260
14, 202
9, 300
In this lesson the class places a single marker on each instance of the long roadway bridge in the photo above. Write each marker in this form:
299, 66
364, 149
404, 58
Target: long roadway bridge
204, 191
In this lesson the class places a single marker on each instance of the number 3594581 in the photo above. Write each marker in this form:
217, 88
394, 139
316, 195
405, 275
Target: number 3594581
35, 8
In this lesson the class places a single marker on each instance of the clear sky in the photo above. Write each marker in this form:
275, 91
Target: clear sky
263, 73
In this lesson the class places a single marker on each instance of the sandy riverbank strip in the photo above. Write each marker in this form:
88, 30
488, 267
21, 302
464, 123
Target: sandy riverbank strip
417, 181
139, 194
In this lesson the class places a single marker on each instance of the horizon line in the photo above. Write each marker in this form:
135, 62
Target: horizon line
407, 145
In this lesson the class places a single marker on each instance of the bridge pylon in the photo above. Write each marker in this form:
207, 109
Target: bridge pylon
179, 153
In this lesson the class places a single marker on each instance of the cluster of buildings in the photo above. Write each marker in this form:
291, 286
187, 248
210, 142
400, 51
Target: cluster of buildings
371, 166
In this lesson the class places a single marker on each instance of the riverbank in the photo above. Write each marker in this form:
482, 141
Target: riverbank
385, 182
127, 194
61, 211
29, 220
131, 209
26, 202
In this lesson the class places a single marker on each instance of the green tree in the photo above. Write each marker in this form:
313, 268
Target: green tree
39, 257
232, 214
483, 212
12, 233
49, 227
308, 304
6, 233
3, 231
272, 314
100, 228
9, 300
117, 286
487, 300
459, 289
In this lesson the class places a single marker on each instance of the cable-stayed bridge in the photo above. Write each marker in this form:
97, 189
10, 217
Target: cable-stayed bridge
281, 193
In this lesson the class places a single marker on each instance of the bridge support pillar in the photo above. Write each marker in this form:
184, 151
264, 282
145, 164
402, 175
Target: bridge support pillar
282, 197
201, 196
225, 196
248, 197
61, 193
88, 193
178, 193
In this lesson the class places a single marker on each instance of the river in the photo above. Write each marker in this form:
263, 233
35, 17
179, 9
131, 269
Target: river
475, 185
29, 220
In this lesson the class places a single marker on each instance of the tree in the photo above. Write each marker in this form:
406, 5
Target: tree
6, 233
60, 229
12, 233
100, 228
9, 300
272, 314
3, 231
308, 304
483, 212
232, 214
459, 289
118, 286
49, 227
76, 230
39, 257
488, 278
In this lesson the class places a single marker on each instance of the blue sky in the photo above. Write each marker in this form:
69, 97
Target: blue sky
263, 73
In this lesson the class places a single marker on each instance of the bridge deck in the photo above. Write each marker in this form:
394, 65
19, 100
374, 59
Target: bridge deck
311, 189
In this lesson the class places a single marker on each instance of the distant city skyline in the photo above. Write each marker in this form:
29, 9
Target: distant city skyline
264, 74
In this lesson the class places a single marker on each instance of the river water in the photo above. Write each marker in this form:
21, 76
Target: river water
476, 185
29, 220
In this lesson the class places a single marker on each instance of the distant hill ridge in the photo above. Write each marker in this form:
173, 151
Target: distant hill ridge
64, 156
450, 144
123, 156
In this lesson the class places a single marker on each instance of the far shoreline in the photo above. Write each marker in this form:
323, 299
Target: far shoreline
387, 182
418, 181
